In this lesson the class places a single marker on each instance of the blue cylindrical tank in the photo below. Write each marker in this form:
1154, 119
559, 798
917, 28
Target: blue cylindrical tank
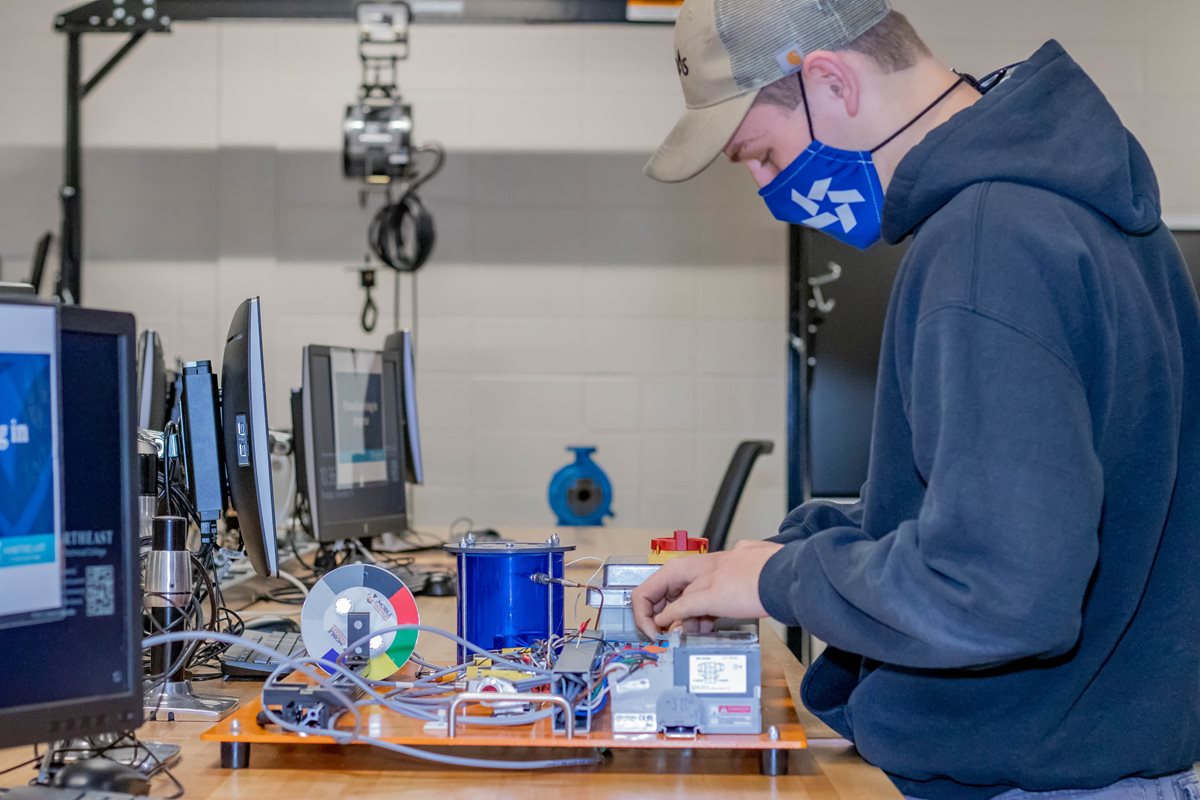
499, 605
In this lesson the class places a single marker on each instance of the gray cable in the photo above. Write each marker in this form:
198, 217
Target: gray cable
350, 706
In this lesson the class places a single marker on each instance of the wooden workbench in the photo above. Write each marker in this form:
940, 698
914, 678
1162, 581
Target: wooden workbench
829, 769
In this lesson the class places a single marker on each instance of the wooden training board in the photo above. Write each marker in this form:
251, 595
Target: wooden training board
778, 710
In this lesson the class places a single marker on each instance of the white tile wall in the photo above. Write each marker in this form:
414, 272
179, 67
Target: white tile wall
647, 320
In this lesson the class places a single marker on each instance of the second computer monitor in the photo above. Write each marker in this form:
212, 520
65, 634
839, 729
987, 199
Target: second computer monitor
354, 442
152, 382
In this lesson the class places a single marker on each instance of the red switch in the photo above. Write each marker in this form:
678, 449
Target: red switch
680, 544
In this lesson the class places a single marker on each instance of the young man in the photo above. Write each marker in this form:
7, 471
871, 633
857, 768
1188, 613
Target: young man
1013, 605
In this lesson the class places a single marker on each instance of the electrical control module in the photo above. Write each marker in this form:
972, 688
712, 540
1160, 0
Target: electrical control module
700, 683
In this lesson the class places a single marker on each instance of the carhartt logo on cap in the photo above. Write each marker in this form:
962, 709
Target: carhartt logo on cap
790, 59
681, 64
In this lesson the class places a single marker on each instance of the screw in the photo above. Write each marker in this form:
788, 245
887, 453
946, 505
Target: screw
119, 12
94, 20
165, 20
773, 733
553, 540
148, 14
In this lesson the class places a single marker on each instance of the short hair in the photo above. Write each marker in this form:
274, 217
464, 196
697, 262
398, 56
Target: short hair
892, 43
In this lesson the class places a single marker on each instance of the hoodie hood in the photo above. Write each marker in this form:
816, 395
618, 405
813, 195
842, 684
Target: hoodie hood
1048, 126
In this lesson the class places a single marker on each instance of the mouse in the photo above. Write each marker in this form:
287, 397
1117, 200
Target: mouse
102, 775
273, 624
440, 584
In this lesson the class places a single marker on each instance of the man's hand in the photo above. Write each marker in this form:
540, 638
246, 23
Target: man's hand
692, 591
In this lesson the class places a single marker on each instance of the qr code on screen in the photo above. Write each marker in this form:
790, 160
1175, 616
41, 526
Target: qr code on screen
100, 592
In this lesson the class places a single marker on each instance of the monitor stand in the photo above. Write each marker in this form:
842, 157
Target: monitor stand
146, 757
168, 584
174, 701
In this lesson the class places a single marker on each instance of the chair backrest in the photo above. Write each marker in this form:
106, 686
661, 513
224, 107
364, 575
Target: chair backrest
720, 518
38, 268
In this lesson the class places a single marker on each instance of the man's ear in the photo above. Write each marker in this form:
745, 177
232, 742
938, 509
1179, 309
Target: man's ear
831, 83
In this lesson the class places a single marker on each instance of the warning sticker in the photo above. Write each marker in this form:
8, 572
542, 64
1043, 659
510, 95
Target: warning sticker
635, 723
709, 674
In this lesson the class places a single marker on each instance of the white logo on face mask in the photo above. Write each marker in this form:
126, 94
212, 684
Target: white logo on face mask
841, 213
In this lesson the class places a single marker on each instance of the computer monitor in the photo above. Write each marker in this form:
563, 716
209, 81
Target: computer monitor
31, 490
93, 653
246, 437
354, 442
151, 382
402, 342
298, 449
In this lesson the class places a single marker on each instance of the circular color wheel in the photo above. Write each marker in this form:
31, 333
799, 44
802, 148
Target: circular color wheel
360, 588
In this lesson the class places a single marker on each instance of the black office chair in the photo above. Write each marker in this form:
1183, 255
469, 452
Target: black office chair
38, 268
720, 518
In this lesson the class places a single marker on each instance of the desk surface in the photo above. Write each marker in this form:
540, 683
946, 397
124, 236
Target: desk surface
829, 769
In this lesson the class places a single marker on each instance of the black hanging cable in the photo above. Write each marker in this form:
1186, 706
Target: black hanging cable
370, 311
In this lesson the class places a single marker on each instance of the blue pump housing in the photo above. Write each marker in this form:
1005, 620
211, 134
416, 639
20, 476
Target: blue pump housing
581, 493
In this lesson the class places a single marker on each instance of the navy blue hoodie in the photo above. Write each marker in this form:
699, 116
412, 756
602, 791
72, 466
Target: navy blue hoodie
1015, 602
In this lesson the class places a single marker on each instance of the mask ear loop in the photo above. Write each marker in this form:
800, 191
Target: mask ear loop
804, 99
961, 80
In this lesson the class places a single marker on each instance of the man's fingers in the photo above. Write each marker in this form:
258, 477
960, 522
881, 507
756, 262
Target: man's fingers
692, 603
662, 588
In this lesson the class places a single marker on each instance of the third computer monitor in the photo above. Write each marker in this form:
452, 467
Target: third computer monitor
353, 417
247, 446
402, 342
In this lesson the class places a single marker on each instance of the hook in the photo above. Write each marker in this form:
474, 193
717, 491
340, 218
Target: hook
370, 312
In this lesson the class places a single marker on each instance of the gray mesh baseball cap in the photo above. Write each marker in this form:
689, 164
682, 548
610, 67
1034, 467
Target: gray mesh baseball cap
727, 50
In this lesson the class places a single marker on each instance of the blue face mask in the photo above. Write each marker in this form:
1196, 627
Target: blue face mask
837, 192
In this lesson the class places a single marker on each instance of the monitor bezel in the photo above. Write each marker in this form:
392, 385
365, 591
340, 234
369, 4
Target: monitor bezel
109, 713
361, 527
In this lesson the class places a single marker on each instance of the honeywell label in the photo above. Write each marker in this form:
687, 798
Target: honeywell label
635, 723
717, 674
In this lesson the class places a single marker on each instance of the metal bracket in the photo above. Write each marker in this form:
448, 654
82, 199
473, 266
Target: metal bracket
524, 697
819, 302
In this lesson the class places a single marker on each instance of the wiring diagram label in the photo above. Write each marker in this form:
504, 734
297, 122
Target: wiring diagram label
714, 674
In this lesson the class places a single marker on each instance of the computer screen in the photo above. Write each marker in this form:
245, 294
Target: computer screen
93, 653
247, 438
402, 343
31, 549
353, 442
151, 382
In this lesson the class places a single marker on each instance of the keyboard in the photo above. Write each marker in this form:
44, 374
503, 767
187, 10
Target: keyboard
52, 793
242, 662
